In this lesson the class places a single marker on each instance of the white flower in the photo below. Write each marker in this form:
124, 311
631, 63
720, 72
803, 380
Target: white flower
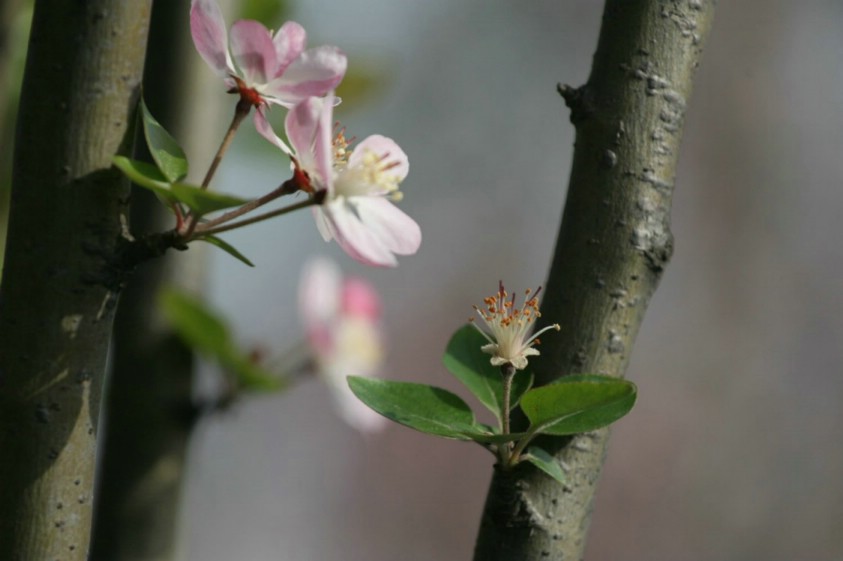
360, 185
341, 317
510, 341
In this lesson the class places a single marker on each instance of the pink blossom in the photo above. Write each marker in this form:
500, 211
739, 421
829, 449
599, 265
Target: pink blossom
360, 184
341, 317
264, 68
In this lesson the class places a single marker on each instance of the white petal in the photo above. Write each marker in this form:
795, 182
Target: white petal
519, 362
319, 293
354, 236
397, 231
323, 224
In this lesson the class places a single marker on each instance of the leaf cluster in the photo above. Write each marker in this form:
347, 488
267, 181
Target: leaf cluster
573, 404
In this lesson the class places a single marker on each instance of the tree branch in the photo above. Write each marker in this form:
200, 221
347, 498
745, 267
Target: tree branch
77, 105
613, 245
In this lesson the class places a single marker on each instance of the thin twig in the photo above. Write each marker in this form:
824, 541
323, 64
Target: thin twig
239, 114
286, 188
203, 231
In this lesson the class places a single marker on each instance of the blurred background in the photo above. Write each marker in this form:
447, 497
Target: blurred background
733, 450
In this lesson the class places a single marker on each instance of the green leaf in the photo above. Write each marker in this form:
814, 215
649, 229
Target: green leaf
494, 437
147, 176
464, 359
166, 152
425, 408
227, 247
578, 404
201, 201
249, 376
205, 331
545, 462
195, 323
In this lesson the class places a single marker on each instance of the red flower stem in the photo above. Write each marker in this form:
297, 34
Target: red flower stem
286, 188
202, 230
240, 113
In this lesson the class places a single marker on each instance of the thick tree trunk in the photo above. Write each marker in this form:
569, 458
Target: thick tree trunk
613, 244
58, 294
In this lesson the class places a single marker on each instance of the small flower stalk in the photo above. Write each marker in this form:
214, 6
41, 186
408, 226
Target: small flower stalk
510, 341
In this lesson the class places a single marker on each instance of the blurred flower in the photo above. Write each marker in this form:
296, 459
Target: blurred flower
341, 318
360, 183
511, 342
262, 68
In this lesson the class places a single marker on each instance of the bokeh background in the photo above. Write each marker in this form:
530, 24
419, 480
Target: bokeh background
733, 450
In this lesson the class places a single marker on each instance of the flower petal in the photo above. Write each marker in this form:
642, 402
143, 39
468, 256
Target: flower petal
384, 147
207, 27
308, 126
349, 407
265, 130
289, 42
397, 231
319, 293
253, 52
315, 72
323, 224
354, 237
359, 299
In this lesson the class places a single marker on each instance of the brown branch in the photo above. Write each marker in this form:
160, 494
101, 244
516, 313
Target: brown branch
613, 244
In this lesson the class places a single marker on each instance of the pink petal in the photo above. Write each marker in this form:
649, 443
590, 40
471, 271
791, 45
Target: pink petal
384, 147
265, 130
308, 126
253, 52
289, 42
316, 72
207, 27
360, 299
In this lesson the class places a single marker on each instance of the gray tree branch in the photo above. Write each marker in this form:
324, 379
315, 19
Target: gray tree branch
149, 409
613, 245
81, 84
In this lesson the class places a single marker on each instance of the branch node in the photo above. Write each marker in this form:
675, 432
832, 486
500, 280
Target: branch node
578, 100
127, 254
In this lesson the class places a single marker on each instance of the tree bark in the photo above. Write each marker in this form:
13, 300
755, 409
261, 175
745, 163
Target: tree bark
149, 413
613, 245
57, 299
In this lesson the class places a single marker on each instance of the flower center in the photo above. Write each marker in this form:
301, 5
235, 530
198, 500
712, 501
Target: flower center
340, 145
510, 325
247, 94
370, 175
